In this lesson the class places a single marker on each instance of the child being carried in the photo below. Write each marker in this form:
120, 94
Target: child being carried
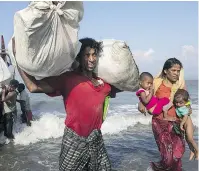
182, 105
154, 105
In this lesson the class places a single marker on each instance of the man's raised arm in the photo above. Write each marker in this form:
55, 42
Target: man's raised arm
33, 85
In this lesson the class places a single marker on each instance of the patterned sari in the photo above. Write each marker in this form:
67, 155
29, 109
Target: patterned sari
170, 144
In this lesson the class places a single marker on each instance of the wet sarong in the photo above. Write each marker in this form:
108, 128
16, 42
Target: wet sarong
81, 153
170, 144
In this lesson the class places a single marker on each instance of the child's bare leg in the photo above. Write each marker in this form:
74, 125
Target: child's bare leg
189, 137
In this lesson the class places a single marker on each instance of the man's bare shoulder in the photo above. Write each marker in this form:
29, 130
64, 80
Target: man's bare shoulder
12, 93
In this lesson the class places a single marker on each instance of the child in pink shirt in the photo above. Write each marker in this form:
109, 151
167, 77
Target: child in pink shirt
154, 105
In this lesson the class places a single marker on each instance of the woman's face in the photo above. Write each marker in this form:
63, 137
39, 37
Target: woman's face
173, 73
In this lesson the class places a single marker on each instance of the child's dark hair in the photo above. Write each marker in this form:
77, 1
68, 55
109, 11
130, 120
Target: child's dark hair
145, 74
181, 93
14, 83
21, 86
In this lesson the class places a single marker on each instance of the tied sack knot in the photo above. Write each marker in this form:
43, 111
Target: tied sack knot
57, 9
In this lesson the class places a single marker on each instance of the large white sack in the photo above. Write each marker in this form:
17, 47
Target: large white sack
46, 37
5, 74
117, 67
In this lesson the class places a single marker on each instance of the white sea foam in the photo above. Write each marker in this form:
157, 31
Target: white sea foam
122, 117
48, 126
116, 123
51, 125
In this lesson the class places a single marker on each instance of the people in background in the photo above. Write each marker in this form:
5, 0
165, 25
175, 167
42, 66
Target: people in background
24, 101
9, 96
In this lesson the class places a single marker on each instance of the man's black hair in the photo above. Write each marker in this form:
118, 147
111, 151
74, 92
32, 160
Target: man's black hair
14, 83
21, 86
89, 42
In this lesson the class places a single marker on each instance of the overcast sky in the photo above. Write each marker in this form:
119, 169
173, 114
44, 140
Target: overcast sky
155, 31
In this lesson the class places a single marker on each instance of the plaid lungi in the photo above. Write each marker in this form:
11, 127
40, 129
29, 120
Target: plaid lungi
80, 153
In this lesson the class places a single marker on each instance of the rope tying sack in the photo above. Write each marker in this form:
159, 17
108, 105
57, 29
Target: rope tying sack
57, 9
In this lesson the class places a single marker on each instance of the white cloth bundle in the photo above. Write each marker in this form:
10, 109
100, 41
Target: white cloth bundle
46, 37
117, 66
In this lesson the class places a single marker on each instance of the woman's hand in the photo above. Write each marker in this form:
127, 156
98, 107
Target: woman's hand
142, 108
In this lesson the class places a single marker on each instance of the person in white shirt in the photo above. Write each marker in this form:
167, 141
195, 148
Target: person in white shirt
24, 101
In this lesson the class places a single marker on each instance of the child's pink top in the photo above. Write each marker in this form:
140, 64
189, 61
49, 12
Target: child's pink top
153, 101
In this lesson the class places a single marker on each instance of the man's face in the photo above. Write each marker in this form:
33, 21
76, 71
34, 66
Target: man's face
11, 88
89, 59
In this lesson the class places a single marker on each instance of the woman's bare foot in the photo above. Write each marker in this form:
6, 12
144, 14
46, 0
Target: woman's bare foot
191, 155
169, 118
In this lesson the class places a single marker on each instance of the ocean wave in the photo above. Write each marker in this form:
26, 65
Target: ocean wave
47, 126
51, 124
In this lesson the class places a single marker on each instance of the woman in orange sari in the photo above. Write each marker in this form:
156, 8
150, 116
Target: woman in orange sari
170, 144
